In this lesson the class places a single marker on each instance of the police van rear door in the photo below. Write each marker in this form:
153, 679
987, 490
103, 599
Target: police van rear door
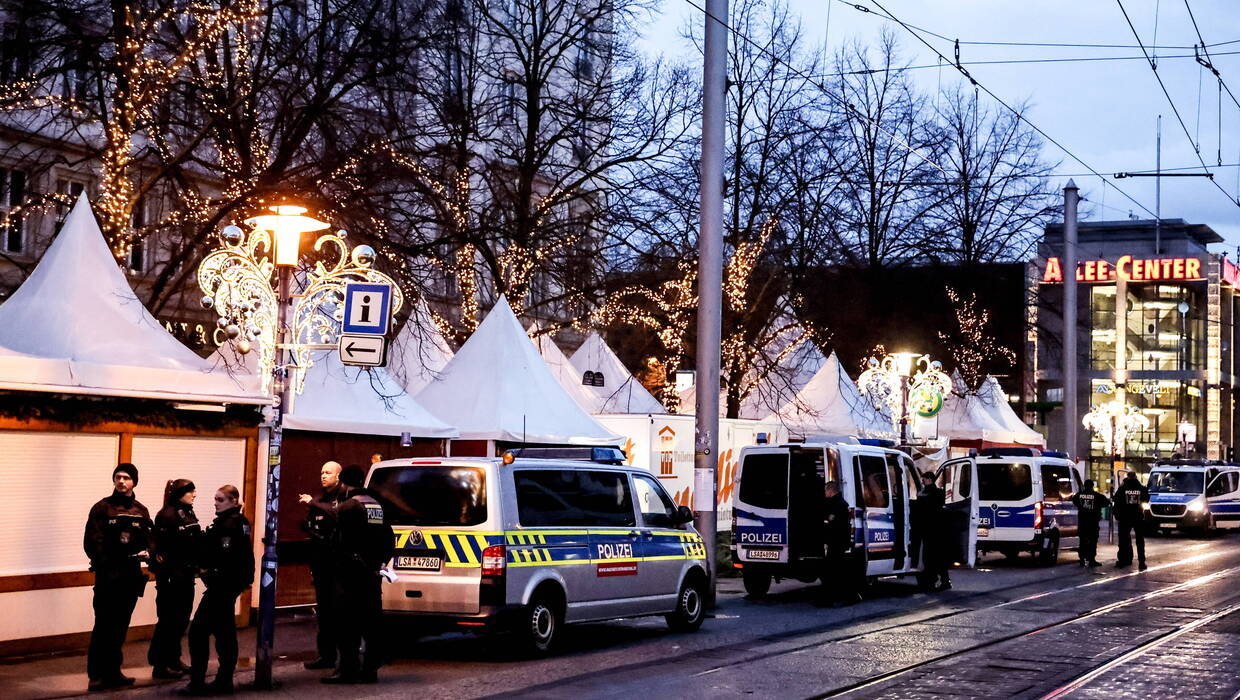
760, 507
958, 478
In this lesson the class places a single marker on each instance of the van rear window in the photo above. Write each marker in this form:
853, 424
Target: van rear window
764, 481
1002, 481
431, 496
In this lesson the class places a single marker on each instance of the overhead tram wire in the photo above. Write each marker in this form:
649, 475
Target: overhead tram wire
1174, 109
1016, 113
1018, 61
825, 90
1209, 63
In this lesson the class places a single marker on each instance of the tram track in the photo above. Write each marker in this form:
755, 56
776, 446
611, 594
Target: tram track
877, 679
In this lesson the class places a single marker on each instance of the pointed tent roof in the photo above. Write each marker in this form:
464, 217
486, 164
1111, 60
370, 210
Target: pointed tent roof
831, 404
995, 400
420, 351
964, 417
621, 392
76, 326
498, 388
340, 399
562, 369
791, 373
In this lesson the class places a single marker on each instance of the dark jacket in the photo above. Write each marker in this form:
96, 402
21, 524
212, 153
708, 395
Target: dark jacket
320, 522
227, 553
117, 539
176, 540
836, 525
1128, 499
929, 507
1089, 505
363, 538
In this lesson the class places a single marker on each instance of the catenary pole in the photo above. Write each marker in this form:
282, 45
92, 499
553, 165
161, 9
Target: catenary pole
710, 282
1071, 197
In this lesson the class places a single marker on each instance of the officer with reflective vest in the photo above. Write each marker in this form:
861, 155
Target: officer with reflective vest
227, 570
1089, 504
320, 525
1129, 500
363, 543
116, 541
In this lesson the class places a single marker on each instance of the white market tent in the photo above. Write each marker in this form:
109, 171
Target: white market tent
831, 404
620, 392
419, 352
76, 326
498, 388
562, 369
790, 374
995, 400
965, 418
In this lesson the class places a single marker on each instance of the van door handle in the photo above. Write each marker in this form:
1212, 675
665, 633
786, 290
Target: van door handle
649, 534
634, 534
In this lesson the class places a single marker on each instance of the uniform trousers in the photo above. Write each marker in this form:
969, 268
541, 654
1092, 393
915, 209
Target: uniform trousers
114, 601
174, 602
215, 617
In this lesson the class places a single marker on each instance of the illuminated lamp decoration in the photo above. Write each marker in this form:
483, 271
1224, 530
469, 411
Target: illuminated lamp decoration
1115, 422
902, 381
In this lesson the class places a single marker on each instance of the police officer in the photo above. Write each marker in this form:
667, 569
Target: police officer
1089, 504
364, 542
1130, 517
931, 502
227, 570
320, 524
838, 581
116, 541
174, 562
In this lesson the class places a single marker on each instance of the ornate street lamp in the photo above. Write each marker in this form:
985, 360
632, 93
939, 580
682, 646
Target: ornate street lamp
248, 283
901, 378
1114, 422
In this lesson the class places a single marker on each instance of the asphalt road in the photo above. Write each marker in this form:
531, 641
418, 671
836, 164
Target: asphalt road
1007, 629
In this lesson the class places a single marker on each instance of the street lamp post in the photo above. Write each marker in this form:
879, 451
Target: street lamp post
892, 381
237, 282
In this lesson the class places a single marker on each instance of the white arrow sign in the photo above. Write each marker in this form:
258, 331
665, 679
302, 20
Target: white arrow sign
363, 350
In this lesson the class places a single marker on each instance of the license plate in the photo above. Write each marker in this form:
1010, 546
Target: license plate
418, 563
983, 532
771, 554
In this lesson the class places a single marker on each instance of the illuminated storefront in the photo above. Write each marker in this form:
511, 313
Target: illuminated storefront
1177, 334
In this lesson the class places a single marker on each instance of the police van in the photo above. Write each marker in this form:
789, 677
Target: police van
1025, 502
777, 510
1195, 495
528, 545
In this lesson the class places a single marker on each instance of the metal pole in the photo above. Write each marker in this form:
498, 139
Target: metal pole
1158, 189
1070, 199
903, 411
710, 282
267, 581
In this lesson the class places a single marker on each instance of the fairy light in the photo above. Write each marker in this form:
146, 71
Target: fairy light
1115, 422
972, 348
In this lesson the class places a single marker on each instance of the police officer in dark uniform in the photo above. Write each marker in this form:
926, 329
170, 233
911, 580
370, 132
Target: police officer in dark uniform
117, 541
320, 524
1089, 504
364, 542
931, 501
1130, 517
174, 562
838, 580
227, 570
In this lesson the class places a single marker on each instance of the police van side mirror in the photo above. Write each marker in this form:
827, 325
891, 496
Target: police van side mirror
683, 515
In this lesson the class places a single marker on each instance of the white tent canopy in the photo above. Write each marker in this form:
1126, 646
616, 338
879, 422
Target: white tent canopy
995, 400
562, 369
340, 399
831, 404
621, 392
964, 417
498, 388
769, 395
76, 326
419, 352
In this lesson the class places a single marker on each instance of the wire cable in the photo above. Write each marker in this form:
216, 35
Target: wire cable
1174, 109
1018, 115
1208, 63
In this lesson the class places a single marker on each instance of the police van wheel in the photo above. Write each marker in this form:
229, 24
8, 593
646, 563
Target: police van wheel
1049, 556
757, 583
541, 624
690, 608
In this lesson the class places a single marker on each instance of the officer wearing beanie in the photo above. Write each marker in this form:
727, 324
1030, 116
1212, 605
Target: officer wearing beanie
117, 541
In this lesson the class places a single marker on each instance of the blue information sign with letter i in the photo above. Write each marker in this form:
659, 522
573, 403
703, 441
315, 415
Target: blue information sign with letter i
367, 308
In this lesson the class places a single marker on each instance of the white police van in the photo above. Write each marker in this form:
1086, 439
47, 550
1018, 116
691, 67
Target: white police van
1025, 502
527, 545
777, 510
1192, 494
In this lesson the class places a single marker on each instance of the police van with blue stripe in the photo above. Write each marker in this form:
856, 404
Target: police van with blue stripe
1194, 495
528, 545
777, 529
1025, 502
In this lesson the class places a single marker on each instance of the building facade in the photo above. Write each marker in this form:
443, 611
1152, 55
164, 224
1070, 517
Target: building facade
1171, 355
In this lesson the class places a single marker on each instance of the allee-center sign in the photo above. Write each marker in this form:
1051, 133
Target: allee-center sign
1135, 269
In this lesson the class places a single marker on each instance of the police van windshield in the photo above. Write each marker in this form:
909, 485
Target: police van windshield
1176, 482
1003, 481
431, 496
